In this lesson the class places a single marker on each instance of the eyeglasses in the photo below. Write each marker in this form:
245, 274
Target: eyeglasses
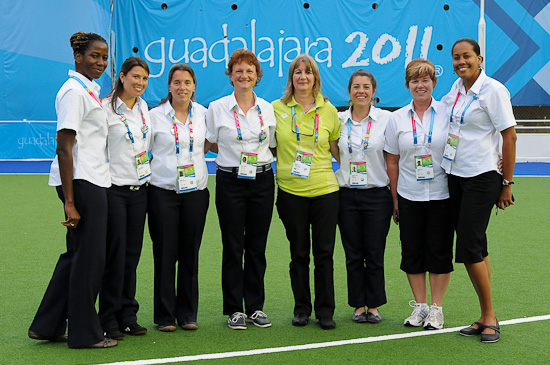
303, 128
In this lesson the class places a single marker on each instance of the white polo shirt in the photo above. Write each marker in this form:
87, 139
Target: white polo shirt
400, 141
222, 129
122, 151
78, 111
377, 175
489, 114
163, 146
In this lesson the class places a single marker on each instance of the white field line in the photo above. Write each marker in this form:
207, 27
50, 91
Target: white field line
271, 350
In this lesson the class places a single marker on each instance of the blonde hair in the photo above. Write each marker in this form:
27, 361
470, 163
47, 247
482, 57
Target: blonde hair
418, 68
310, 64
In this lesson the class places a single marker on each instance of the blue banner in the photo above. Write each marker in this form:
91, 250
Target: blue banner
343, 35
27, 140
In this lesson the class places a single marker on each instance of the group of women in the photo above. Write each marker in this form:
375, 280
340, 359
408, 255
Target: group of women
117, 161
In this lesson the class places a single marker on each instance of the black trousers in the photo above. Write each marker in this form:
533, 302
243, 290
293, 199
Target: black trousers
245, 209
176, 224
75, 283
364, 220
472, 200
298, 215
125, 223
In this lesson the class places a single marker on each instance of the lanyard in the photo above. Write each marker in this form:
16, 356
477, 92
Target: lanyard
87, 89
191, 134
464, 111
263, 133
144, 128
316, 126
367, 136
430, 132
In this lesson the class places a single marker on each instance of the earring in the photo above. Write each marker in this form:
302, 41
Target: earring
350, 103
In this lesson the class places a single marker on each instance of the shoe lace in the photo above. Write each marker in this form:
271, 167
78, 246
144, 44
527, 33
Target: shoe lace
236, 316
417, 309
434, 314
257, 314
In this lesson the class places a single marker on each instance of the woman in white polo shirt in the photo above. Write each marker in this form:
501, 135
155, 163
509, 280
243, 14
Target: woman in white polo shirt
243, 126
415, 139
129, 140
481, 112
80, 173
178, 200
365, 200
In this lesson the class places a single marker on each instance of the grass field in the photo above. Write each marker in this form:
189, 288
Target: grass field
31, 239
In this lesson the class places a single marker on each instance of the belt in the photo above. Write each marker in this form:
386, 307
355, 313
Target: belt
235, 170
130, 187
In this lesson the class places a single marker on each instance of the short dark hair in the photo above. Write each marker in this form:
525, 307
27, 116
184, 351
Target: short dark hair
475, 45
179, 67
361, 72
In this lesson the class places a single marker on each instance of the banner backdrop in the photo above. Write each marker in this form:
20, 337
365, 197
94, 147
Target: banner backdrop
28, 140
342, 35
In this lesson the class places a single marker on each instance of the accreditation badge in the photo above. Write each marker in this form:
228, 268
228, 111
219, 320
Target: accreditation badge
302, 164
247, 165
450, 147
143, 166
424, 167
186, 179
358, 174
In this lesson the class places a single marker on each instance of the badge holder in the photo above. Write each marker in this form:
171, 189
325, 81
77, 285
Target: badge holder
358, 174
186, 179
302, 164
450, 147
143, 167
247, 165
424, 167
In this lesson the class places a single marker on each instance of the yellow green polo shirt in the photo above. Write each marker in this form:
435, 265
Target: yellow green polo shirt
321, 176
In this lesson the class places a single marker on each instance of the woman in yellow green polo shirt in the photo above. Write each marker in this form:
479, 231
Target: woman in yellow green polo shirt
307, 135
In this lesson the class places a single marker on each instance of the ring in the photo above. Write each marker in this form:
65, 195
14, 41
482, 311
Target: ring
72, 224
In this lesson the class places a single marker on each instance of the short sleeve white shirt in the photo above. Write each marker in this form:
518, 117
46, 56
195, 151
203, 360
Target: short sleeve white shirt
377, 175
222, 129
479, 135
163, 146
78, 111
122, 151
400, 141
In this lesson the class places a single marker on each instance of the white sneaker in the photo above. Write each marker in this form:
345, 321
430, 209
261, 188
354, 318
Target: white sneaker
420, 312
434, 320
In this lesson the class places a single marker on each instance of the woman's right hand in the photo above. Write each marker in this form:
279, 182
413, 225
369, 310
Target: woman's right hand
73, 218
395, 212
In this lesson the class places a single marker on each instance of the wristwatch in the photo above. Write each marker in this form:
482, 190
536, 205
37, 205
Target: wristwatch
506, 182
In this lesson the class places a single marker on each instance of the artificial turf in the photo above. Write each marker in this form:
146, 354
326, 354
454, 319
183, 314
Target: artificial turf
32, 239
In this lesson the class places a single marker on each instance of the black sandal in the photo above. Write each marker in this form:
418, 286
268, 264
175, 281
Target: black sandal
491, 337
469, 331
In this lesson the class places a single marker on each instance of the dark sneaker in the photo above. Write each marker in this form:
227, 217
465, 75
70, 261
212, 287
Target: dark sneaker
327, 323
135, 330
114, 334
259, 319
300, 320
237, 321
